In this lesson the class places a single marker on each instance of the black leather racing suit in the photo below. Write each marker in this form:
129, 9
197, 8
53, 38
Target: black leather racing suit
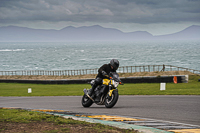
105, 69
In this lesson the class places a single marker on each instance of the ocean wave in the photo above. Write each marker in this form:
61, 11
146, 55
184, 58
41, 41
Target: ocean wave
26, 56
10, 50
79, 50
83, 59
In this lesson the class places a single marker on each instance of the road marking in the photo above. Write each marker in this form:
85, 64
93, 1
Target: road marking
140, 124
48, 110
186, 131
163, 125
111, 118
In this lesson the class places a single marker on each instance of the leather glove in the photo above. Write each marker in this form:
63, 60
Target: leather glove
104, 73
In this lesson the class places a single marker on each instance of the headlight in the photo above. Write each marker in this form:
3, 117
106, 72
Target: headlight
114, 83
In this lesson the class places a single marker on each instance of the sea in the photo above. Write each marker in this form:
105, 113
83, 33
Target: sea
90, 55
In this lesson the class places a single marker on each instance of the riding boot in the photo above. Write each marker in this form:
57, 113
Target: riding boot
90, 91
97, 82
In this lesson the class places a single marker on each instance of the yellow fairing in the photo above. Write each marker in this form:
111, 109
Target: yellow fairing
106, 81
110, 93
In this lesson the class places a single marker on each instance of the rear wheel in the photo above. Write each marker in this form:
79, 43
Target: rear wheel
86, 101
111, 101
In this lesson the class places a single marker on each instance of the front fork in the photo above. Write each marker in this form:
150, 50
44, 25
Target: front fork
109, 96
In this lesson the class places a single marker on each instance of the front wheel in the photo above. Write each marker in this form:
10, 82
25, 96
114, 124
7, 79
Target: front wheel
86, 101
111, 101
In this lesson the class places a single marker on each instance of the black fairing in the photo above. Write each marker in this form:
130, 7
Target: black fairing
115, 76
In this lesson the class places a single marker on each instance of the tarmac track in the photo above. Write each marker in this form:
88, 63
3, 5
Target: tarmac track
175, 108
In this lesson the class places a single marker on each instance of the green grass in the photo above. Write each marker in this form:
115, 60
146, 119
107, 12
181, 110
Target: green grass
154, 89
16, 117
17, 89
24, 116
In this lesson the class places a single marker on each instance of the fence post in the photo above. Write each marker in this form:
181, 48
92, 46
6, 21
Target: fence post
123, 69
131, 69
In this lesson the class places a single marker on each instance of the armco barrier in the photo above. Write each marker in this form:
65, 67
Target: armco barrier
154, 79
150, 79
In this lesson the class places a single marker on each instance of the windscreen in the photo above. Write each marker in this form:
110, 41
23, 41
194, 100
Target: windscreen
115, 76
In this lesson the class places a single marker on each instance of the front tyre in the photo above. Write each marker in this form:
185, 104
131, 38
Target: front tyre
86, 101
110, 102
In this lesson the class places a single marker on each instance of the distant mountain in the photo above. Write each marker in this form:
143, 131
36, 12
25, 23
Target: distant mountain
190, 33
88, 33
14, 33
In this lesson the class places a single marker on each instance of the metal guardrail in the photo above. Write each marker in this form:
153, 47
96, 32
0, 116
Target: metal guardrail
123, 69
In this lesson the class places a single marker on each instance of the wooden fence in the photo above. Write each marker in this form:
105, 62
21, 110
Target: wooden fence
123, 69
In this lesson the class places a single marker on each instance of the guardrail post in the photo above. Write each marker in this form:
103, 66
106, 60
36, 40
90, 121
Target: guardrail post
123, 69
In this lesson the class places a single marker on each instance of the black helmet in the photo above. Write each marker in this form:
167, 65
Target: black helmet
114, 63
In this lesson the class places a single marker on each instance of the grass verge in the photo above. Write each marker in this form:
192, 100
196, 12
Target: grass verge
14, 120
17, 89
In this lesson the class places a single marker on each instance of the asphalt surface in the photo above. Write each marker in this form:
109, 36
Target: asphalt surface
181, 108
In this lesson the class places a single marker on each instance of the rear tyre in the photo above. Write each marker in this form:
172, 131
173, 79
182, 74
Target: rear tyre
86, 101
110, 102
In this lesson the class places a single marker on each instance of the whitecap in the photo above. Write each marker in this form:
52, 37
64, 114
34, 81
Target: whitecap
19, 49
5, 50
79, 50
9, 50
125, 59
64, 59
6, 65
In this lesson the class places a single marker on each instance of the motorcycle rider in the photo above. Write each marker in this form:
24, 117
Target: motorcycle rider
103, 72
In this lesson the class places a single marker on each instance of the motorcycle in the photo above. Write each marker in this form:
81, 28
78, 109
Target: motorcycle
108, 92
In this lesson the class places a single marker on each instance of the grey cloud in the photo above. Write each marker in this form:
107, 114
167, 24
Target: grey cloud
116, 11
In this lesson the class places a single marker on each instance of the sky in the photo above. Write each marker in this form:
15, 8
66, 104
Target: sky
157, 17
